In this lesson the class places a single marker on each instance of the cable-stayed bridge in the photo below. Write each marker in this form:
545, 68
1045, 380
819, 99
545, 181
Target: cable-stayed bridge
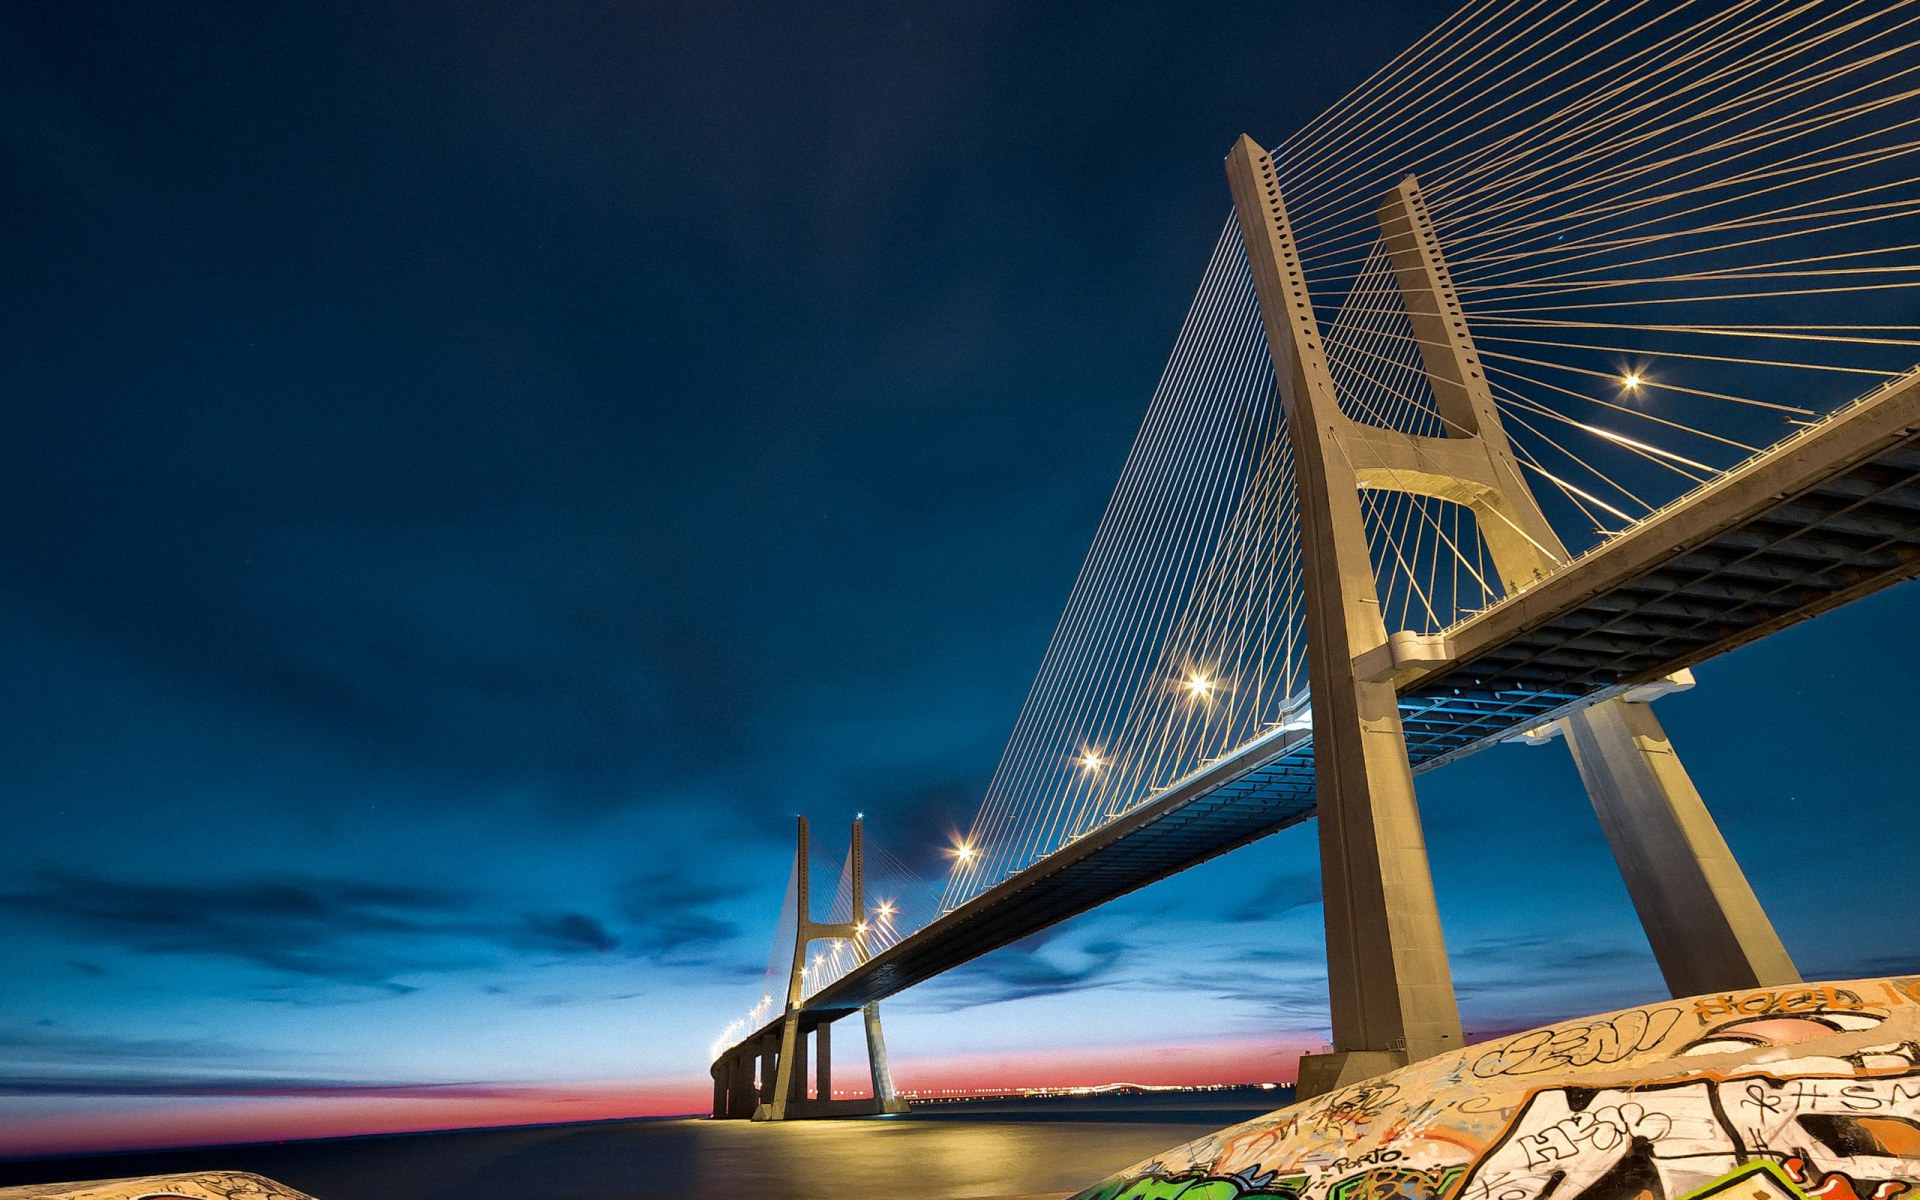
1569, 351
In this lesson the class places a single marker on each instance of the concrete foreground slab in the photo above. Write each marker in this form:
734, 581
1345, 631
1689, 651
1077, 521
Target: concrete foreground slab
199, 1185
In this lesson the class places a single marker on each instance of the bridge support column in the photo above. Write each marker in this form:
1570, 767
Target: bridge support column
745, 1097
1707, 929
884, 1097
1388, 978
823, 1061
733, 1088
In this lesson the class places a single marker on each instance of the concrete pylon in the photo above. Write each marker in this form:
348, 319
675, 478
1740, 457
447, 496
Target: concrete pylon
1706, 927
1387, 972
787, 1098
887, 1100
1390, 985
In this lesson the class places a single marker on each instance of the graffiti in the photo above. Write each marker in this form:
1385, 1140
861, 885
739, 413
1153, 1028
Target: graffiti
1837, 1185
1371, 1158
1189, 1186
1567, 1138
1595, 1131
1738, 1036
1395, 1183
1570, 1046
1567, 1141
1361, 1104
202, 1185
1803, 1093
1758, 1004
1754, 1181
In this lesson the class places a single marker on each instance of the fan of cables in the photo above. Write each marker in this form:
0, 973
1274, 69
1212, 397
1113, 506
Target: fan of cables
1680, 231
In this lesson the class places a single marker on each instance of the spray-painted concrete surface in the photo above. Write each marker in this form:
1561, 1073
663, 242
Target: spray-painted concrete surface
197, 1185
1770, 1094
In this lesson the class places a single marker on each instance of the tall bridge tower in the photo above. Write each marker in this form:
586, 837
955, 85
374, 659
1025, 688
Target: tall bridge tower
780, 1091
1391, 988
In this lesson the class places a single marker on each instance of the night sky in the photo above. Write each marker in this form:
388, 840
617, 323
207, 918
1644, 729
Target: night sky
472, 473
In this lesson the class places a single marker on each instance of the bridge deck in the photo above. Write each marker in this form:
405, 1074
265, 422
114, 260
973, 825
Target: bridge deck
1825, 517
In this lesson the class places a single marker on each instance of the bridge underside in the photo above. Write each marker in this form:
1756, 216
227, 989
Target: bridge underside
1831, 515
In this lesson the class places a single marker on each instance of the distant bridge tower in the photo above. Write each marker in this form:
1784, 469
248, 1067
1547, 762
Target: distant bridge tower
780, 1092
1390, 984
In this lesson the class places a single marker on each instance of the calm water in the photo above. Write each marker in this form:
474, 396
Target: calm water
1026, 1149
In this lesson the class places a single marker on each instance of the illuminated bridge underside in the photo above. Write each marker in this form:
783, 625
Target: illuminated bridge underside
1826, 517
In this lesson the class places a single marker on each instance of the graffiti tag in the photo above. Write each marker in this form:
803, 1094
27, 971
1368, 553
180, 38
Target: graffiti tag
1567, 1047
1762, 1004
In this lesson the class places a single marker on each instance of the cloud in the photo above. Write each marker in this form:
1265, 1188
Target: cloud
1517, 981
1021, 971
1288, 985
1501, 963
169, 1084
47, 1061
47, 1042
1864, 968
345, 931
569, 933
1280, 894
667, 910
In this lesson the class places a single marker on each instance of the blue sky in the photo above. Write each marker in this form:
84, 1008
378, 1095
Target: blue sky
473, 476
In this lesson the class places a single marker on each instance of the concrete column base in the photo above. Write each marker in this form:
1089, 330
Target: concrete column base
1323, 1073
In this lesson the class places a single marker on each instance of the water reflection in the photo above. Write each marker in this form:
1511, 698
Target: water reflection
944, 1157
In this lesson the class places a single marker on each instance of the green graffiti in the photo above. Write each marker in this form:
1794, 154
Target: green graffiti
1396, 1183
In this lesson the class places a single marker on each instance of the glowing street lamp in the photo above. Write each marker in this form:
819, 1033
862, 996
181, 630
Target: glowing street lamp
1199, 686
1631, 381
1091, 762
885, 910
